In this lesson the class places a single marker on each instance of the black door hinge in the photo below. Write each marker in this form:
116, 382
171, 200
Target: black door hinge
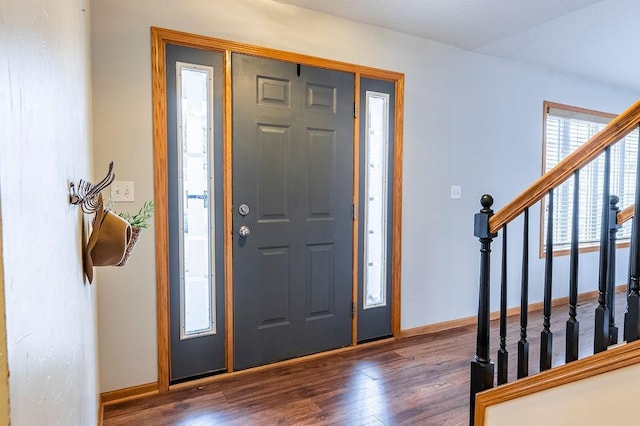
353, 310
355, 110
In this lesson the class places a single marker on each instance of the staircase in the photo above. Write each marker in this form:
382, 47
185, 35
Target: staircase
489, 225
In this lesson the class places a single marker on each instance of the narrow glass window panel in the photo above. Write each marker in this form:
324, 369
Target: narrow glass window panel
195, 162
376, 186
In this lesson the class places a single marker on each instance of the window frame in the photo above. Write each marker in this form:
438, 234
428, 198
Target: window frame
384, 264
582, 247
211, 229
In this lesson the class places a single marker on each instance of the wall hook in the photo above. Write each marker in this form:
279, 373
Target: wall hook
85, 194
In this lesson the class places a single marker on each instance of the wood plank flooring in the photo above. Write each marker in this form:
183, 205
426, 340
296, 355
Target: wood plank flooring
421, 380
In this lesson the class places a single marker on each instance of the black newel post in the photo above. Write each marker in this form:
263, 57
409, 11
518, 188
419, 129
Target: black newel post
611, 264
482, 372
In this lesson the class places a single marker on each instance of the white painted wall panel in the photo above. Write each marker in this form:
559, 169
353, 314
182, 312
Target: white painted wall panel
576, 403
465, 114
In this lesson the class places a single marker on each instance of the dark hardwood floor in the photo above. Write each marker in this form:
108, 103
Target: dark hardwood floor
420, 380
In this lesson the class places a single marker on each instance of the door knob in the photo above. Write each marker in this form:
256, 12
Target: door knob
244, 231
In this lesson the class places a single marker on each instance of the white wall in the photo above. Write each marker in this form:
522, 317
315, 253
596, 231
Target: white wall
45, 144
548, 43
605, 399
465, 114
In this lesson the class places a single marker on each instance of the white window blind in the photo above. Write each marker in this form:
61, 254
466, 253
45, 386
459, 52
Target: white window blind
566, 130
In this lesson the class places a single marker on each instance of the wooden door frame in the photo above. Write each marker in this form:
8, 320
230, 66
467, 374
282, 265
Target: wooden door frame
160, 37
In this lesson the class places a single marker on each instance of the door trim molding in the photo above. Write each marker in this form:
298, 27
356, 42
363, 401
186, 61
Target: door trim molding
160, 183
355, 264
228, 219
159, 38
396, 233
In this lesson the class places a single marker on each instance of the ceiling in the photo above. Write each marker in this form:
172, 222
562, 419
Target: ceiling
587, 38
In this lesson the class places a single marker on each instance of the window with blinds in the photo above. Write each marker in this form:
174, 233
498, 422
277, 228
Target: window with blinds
567, 128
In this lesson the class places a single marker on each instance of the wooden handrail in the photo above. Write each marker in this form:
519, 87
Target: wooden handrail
625, 215
617, 129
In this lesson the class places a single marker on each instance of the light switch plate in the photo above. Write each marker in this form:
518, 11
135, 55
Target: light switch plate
122, 191
456, 192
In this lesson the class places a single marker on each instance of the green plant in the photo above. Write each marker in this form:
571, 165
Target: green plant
139, 220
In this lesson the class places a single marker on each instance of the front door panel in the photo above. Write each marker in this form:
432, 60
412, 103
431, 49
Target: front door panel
293, 169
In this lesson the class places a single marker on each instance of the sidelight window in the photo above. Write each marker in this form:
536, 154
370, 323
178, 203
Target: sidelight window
376, 190
195, 175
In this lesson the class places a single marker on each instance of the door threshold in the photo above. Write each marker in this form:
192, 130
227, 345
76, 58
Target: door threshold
374, 339
225, 375
198, 377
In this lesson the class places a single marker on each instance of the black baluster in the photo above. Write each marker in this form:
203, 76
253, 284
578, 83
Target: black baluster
627, 328
503, 354
573, 325
523, 345
481, 366
601, 332
611, 265
631, 256
632, 316
546, 336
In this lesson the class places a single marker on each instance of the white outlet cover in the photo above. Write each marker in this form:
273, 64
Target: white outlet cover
456, 192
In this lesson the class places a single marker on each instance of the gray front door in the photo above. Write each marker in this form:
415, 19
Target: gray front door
292, 190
